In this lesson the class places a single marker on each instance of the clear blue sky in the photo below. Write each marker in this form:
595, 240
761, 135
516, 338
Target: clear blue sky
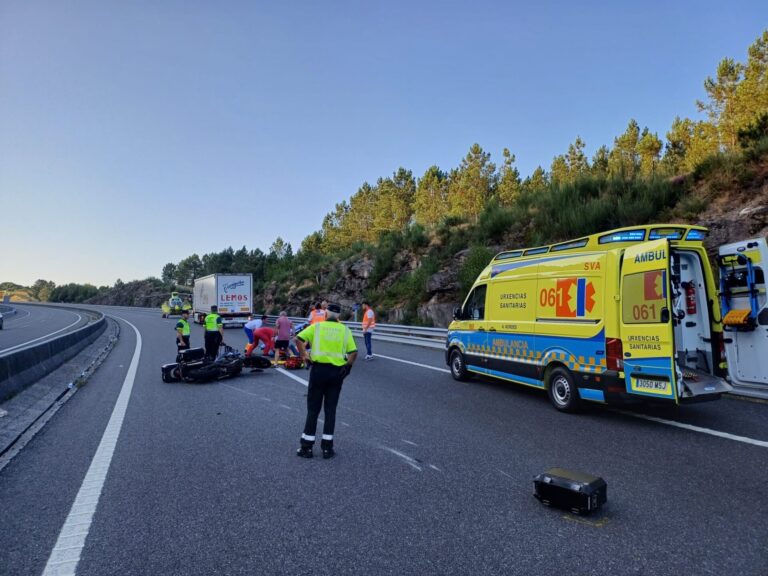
135, 133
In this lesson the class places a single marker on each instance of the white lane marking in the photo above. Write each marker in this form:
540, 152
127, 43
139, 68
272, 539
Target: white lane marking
245, 391
409, 442
505, 474
414, 363
292, 376
16, 316
691, 427
435, 467
412, 462
71, 540
6, 350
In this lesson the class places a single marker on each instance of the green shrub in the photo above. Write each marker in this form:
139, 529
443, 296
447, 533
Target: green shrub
477, 259
495, 221
384, 256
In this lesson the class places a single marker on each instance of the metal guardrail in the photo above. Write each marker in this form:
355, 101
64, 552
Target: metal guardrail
414, 335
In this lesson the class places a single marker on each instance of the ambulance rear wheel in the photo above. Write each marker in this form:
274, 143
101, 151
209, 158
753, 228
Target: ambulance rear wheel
562, 391
458, 366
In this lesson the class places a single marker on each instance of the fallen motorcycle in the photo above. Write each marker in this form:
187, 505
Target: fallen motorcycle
192, 366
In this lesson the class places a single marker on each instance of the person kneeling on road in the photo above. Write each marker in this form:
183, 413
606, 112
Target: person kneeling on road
333, 353
266, 336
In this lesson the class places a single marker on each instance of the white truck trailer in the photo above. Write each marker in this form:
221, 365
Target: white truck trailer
232, 293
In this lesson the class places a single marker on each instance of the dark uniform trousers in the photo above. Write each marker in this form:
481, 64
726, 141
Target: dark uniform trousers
212, 341
324, 389
186, 342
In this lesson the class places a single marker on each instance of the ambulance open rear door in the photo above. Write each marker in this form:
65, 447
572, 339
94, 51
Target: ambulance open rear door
744, 306
647, 333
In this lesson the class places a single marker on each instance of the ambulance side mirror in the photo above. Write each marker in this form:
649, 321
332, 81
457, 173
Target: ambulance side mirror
665, 315
457, 313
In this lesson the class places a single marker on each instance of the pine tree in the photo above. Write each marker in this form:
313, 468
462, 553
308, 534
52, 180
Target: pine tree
472, 185
600, 162
558, 171
623, 161
537, 182
510, 184
430, 202
649, 150
577, 162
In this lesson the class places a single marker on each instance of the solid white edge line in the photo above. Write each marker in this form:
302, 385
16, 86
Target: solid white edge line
69, 545
6, 350
445, 370
292, 376
691, 427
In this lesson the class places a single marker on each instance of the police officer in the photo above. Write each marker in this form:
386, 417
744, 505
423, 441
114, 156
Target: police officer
214, 333
333, 353
182, 331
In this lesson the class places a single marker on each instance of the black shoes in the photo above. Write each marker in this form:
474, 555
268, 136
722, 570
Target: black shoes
304, 452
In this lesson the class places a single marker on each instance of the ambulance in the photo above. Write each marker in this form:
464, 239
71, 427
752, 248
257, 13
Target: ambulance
630, 314
745, 314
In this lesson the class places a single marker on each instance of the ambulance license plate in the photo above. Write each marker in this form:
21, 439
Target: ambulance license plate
646, 384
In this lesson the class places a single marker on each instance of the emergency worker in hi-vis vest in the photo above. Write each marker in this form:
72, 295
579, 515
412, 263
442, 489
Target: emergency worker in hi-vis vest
332, 355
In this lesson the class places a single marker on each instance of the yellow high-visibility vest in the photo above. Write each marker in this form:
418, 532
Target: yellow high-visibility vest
331, 342
212, 322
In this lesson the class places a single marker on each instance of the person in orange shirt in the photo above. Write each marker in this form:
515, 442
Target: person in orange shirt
369, 323
317, 315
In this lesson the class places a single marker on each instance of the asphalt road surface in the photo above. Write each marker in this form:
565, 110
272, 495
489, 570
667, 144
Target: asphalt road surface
432, 476
33, 324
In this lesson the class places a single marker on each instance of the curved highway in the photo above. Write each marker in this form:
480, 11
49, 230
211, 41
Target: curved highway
433, 476
36, 323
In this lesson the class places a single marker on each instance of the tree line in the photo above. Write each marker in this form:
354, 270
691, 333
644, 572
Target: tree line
735, 100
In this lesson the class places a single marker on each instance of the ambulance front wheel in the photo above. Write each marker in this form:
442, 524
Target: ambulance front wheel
458, 366
562, 391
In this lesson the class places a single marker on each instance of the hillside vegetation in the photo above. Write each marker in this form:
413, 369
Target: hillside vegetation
413, 245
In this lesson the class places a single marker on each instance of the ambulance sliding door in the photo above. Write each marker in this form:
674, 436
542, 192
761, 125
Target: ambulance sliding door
646, 323
511, 324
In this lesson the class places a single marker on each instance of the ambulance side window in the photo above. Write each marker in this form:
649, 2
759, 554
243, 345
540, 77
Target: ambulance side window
474, 309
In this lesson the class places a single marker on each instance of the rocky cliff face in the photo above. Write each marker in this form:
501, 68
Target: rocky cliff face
136, 293
348, 280
736, 216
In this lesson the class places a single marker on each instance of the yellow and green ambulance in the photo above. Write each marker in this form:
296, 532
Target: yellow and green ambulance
629, 314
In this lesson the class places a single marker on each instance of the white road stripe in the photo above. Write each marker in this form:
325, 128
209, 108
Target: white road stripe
292, 376
691, 427
412, 462
414, 363
69, 545
6, 350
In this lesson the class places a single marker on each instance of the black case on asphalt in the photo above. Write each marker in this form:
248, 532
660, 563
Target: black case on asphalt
190, 355
575, 491
257, 362
169, 373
